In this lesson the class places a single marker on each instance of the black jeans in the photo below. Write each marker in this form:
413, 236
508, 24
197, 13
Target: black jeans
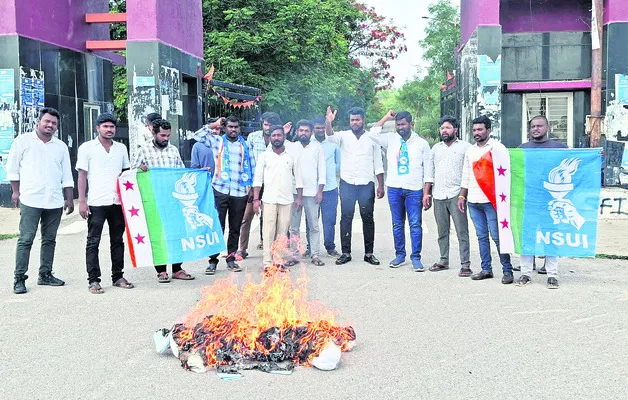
95, 222
235, 206
365, 196
30, 217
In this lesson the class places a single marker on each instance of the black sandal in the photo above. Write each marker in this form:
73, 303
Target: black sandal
438, 267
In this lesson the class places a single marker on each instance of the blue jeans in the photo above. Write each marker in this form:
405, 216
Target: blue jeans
329, 215
406, 202
484, 218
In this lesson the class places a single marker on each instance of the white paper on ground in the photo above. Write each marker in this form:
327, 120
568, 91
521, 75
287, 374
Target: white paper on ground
329, 357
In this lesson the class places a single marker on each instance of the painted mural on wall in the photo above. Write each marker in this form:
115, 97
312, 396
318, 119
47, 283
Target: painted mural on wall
170, 91
31, 98
489, 70
7, 117
613, 204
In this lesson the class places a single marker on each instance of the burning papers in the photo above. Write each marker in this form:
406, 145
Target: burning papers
269, 326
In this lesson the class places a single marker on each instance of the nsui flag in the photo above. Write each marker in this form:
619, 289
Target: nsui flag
555, 194
170, 215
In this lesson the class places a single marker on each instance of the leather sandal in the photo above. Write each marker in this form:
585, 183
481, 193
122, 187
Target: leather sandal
182, 275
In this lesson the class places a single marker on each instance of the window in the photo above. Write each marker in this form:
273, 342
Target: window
90, 115
556, 107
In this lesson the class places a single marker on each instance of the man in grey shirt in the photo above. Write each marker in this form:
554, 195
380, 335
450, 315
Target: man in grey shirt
443, 174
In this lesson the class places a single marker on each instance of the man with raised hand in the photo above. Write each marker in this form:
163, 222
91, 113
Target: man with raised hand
38, 168
443, 174
361, 166
406, 153
99, 163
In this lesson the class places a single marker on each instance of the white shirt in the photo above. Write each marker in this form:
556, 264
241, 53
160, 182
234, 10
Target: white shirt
444, 168
312, 165
473, 154
418, 153
42, 168
280, 174
103, 169
361, 158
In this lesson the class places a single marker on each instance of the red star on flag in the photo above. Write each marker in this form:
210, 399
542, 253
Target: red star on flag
128, 185
503, 197
502, 171
504, 224
140, 238
134, 211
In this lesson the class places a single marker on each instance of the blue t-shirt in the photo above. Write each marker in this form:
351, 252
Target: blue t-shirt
202, 157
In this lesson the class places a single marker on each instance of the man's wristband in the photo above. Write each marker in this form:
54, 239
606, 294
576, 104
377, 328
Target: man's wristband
462, 197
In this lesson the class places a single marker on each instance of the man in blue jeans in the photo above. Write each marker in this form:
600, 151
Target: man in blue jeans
329, 206
482, 212
406, 153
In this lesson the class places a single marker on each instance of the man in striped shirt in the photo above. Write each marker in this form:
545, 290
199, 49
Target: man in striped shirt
160, 153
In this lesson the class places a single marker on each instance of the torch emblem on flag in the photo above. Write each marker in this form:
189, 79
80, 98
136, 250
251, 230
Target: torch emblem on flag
559, 185
186, 194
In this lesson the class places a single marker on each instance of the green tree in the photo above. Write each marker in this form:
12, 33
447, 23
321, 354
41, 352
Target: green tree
303, 55
442, 35
120, 89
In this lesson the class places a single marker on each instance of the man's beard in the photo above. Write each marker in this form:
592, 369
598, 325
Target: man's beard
448, 138
277, 144
161, 144
403, 132
357, 130
304, 139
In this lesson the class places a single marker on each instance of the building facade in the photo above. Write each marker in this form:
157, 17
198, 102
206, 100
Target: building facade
519, 59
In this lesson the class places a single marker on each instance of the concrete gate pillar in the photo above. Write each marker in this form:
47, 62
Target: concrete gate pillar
165, 68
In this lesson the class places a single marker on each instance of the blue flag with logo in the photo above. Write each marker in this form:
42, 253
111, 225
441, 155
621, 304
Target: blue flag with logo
555, 195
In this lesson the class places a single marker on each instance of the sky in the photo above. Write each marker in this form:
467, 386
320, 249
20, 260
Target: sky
406, 14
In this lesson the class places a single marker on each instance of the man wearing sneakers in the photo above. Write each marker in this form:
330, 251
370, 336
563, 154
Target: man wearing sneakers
443, 174
539, 139
38, 168
406, 153
483, 214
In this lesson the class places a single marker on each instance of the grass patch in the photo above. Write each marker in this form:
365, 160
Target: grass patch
6, 236
611, 257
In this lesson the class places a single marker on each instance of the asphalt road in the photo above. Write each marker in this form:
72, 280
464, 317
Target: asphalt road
419, 335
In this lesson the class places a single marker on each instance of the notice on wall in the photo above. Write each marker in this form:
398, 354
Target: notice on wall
7, 109
621, 88
31, 98
169, 86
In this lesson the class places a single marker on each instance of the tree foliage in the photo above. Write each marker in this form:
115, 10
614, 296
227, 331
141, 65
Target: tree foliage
120, 89
421, 96
304, 55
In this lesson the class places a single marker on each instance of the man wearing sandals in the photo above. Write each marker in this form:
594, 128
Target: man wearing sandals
539, 138
443, 175
406, 154
312, 159
99, 163
231, 182
160, 153
279, 172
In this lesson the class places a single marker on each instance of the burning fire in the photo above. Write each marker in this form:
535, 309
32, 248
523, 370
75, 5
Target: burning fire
269, 325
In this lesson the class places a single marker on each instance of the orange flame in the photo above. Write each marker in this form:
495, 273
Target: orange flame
238, 317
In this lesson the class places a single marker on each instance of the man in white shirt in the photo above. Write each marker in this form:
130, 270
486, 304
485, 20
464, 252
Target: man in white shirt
38, 168
442, 180
483, 214
279, 172
312, 165
361, 165
99, 163
406, 153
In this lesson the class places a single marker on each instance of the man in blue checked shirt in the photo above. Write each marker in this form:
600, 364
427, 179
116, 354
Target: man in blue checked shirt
232, 178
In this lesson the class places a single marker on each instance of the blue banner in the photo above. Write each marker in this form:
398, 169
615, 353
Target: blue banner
561, 200
185, 201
